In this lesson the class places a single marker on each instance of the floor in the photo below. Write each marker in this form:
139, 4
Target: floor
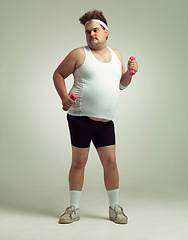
148, 220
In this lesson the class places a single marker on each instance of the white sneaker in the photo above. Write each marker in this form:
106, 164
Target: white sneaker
70, 215
117, 215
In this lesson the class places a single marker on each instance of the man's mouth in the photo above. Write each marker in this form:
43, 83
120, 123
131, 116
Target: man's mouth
92, 39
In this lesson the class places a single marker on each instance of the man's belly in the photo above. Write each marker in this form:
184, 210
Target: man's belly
99, 119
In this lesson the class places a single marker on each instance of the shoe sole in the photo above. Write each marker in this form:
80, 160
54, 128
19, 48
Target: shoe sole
66, 221
119, 222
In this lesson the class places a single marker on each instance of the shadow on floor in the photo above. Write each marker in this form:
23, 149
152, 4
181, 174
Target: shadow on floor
92, 216
32, 209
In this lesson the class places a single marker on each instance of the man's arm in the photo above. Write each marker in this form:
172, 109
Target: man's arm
67, 67
126, 76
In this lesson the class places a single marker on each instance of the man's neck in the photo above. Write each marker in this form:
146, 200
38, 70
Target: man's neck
99, 49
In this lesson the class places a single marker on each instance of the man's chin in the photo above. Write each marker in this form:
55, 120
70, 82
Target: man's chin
93, 44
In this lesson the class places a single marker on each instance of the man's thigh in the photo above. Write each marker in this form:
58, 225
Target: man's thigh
80, 131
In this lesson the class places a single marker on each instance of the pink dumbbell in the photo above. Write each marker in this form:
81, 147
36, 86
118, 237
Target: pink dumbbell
132, 72
73, 97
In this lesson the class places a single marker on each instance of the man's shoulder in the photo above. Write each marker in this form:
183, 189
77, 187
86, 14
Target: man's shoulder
117, 52
77, 52
77, 55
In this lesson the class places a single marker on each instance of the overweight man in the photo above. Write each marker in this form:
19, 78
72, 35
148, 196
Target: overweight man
99, 75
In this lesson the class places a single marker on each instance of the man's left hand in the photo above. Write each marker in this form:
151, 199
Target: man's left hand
132, 65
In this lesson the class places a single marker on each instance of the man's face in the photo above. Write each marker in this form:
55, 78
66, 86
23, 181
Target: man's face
96, 35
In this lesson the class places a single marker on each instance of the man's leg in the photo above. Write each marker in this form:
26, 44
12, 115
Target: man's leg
76, 174
111, 175
76, 179
111, 179
108, 160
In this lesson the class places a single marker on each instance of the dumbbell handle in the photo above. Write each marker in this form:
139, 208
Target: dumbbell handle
73, 97
132, 72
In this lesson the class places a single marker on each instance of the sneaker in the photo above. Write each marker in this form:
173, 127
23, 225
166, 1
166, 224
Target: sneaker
70, 215
117, 215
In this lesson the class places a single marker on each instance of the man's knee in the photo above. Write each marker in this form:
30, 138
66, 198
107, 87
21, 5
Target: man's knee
79, 162
110, 163
79, 157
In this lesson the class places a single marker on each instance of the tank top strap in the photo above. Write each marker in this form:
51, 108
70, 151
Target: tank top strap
88, 53
114, 56
111, 51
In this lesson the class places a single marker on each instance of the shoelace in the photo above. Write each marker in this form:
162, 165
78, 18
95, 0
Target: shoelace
119, 210
69, 211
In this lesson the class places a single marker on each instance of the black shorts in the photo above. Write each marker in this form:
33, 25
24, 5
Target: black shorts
83, 130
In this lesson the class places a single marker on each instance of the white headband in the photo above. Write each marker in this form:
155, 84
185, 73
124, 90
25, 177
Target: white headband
98, 21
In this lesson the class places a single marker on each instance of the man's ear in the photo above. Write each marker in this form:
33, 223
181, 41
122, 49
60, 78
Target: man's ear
106, 31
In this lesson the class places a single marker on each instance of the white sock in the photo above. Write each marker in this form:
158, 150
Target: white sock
75, 198
113, 196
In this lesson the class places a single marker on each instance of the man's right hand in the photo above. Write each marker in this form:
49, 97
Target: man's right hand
67, 102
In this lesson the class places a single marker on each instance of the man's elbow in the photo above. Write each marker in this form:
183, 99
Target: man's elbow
55, 75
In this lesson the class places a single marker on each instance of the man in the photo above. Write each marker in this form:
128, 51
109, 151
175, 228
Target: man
99, 74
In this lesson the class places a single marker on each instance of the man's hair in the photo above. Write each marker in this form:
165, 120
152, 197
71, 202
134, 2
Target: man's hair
93, 14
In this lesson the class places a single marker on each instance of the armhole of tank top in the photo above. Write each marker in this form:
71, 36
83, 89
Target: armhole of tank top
85, 56
113, 53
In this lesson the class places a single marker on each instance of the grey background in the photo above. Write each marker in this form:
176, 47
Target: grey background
151, 120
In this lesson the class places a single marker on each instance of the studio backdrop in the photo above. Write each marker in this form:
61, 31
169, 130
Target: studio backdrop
151, 120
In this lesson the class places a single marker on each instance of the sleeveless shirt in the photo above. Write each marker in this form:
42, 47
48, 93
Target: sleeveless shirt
96, 85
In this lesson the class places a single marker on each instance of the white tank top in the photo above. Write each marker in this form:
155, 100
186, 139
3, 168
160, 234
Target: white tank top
96, 85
